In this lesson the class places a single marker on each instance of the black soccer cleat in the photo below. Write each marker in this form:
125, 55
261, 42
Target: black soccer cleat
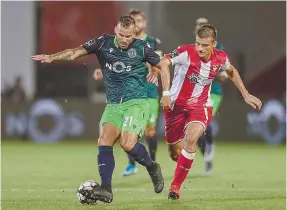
156, 177
173, 196
174, 192
103, 195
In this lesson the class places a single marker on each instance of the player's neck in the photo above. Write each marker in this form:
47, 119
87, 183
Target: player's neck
206, 58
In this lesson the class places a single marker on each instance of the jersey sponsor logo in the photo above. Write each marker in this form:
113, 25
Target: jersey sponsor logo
118, 67
198, 79
132, 53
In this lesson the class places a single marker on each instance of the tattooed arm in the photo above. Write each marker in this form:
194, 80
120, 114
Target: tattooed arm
66, 55
91, 46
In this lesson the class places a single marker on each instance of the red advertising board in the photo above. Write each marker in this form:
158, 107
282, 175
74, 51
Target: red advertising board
69, 24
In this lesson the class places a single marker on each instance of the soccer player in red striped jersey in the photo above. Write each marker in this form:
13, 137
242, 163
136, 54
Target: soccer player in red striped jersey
190, 112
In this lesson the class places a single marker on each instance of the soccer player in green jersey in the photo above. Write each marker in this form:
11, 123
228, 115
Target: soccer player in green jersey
205, 142
123, 62
152, 92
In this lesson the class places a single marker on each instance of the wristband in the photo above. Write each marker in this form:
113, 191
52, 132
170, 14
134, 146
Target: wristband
165, 93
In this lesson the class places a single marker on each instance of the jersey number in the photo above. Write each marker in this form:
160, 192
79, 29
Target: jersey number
128, 121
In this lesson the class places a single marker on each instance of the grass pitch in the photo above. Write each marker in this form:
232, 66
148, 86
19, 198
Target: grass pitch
246, 176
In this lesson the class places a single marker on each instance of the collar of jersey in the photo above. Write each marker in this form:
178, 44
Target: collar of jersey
144, 37
115, 42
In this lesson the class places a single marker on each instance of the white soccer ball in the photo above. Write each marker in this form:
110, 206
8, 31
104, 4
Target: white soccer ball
84, 192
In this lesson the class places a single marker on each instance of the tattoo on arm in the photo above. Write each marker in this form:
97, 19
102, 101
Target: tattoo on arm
68, 54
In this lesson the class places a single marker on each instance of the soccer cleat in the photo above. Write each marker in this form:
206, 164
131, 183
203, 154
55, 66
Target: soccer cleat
102, 194
157, 178
130, 170
173, 192
208, 167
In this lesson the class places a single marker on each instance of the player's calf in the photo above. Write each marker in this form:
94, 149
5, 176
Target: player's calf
186, 157
106, 161
140, 154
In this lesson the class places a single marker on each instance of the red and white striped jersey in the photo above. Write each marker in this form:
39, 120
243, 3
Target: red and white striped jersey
192, 77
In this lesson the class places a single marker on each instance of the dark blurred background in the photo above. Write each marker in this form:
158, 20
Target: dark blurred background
50, 103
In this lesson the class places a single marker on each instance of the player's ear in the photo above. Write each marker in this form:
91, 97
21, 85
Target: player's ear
214, 43
115, 29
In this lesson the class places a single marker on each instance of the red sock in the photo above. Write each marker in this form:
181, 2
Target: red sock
184, 163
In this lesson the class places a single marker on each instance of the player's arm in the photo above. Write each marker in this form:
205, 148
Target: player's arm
154, 60
91, 46
65, 55
152, 76
236, 79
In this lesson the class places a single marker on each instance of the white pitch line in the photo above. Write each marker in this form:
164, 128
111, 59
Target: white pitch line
141, 190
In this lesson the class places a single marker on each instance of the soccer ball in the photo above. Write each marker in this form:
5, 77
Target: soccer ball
84, 192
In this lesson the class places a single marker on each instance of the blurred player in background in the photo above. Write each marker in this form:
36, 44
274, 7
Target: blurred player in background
152, 91
205, 142
123, 61
191, 107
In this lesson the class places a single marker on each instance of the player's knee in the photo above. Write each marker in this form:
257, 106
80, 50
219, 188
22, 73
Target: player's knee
127, 142
191, 138
104, 140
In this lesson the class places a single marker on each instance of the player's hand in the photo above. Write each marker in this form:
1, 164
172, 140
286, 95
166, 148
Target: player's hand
165, 101
253, 101
43, 58
98, 75
152, 78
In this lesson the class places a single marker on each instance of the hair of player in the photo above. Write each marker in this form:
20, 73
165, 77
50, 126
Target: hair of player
134, 12
126, 21
207, 31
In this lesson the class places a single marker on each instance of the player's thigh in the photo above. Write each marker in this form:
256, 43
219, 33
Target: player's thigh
110, 125
108, 134
153, 117
197, 121
174, 126
216, 102
135, 120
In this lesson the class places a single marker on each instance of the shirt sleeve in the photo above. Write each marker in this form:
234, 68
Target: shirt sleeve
222, 74
178, 56
94, 45
226, 62
150, 55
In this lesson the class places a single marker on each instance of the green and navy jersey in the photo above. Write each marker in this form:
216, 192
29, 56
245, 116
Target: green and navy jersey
216, 87
152, 90
124, 70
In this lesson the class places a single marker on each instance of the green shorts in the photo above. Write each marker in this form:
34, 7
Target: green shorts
216, 101
128, 116
153, 113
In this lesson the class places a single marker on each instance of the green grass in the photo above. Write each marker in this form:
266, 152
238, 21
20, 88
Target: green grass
246, 176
